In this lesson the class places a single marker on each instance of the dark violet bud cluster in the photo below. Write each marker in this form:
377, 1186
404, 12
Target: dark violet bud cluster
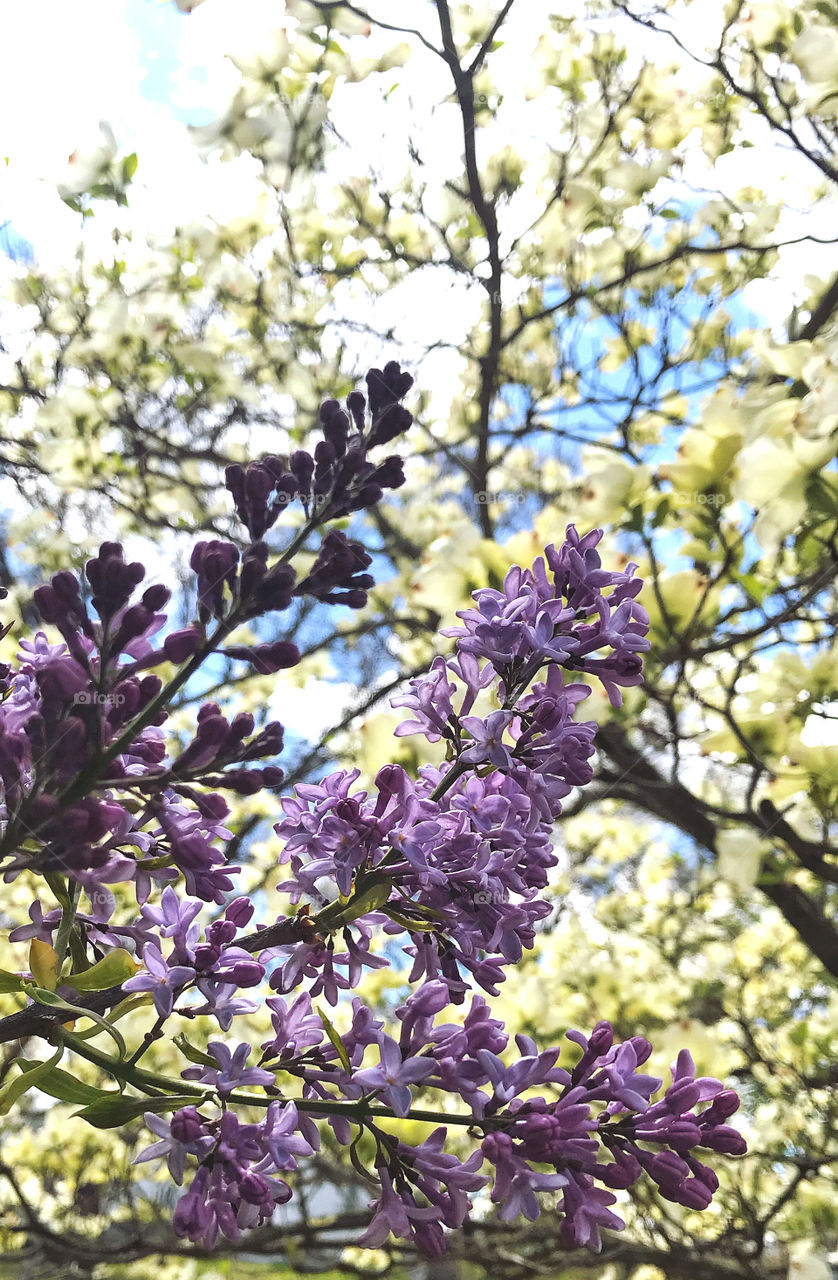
453, 863
337, 575
338, 477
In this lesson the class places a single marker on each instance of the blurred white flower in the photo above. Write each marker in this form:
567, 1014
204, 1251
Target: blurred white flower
85, 168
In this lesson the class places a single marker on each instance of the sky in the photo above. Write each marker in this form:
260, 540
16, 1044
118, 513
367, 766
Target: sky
142, 66
148, 70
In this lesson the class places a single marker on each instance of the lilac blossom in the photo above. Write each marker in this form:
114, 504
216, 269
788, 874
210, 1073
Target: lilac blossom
394, 1075
163, 980
453, 863
231, 1072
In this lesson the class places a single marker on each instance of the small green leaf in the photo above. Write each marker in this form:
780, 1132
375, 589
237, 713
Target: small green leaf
192, 1053
112, 1113
129, 167
10, 982
336, 1042
368, 896
66, 1088
117, 967
416, 924
14, 1089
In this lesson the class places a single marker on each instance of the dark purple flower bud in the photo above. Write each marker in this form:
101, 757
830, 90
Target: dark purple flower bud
338, 565
276, 590
692, 1194
156, 597
335, 426
49, 604
193, 1217
258, 483
367, 496
266, 658
207, 956
620, 1175
254, 490
241, 726
181, 645
390, 473
724, 1104
135, 621
112, 580
301, 466
240, 912
255, 1189
355, 599
267, 743
245, 782
187, 1125
356, 403
247, 973
66, 587
681, 1135
221, 932
392, 422
210, 804
725, 1140
234, 482
214, 564
386, 386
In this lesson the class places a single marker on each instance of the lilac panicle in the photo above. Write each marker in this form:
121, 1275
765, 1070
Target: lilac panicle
454, 862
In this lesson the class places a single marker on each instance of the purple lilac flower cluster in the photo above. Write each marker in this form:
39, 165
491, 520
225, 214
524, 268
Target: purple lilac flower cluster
453, 862
601, 1107
469, 844
236, 1185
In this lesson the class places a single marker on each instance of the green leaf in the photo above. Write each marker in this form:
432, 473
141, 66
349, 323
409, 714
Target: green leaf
336, 1042
117, 967
369, 896
129, 166
192, 1053
14, 1089
112, 1113
10, 982
136, 1001
755, 589
66, 1088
